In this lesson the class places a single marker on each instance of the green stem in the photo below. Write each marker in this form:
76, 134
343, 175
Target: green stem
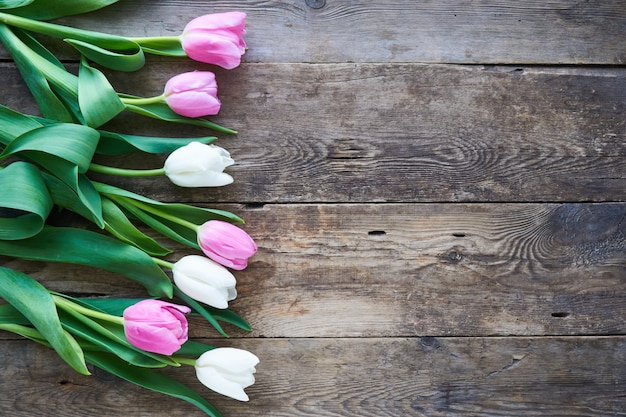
185, 361
163, 263
146, 39
123, 172
24, 331
149, 209
62, 32
69, 306
142, 101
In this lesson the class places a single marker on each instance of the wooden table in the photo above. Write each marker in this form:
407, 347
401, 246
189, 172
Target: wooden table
437, 190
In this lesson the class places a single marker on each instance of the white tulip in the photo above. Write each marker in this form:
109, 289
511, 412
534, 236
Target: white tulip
198, 165
227, 371
205, 280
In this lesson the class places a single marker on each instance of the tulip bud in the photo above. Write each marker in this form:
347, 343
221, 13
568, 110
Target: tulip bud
226, 244
156, 326
216, 39
198, 165
193, 94
227, 371
204, 280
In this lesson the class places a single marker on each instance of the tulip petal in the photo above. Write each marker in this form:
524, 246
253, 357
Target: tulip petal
213, 380
156, 326
205, 281
198, 165
237, 360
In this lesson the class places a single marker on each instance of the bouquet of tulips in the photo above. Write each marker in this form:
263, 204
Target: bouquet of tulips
46, 161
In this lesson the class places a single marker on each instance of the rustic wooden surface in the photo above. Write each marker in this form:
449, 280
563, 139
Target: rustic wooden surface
438, 194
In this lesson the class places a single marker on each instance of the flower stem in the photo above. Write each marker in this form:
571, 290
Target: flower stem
142, 100
163, 263
150, 209
123, 172
68, 305
184, 361
163, 39
60, 31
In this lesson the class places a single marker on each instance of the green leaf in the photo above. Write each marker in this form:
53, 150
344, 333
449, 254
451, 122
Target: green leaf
151, 380
199, 308
229, 316
83, 247
81, 197
144, 209
193, 349
131, 59
113, 306
35, 302
14, 124
116, 143
32, 68
162, 45
73, 143
161, 111
97, 99
25, 194
53, 9
11, 4
11, 315
119, 226
65, 150
212, 314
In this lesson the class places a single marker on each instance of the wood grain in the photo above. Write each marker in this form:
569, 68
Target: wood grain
441, 31
399, 133
437, 190
391, 270
352, 378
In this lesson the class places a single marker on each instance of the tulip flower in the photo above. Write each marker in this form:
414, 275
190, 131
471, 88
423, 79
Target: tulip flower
156, 326
198, 165
193, 165
216, 39
226, 244
190, 94
227, 371
204, 280
193, 94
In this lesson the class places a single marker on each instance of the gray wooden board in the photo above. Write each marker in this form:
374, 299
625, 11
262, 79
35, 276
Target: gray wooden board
437, 190
383, 270
352, 377
403, 133
437, 31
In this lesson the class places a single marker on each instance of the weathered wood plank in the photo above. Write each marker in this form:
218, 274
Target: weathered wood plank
402, 133
381, 270
413, 133
442, 31
574, 376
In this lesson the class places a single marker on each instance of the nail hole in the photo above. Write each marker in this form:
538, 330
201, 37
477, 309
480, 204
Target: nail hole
560, 314
377, 233
254, 206
458, 234
64, 382
315, 4
455, 256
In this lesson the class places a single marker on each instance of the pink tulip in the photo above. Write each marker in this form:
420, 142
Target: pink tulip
193, 94
226, 244
156, 326
216, 39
